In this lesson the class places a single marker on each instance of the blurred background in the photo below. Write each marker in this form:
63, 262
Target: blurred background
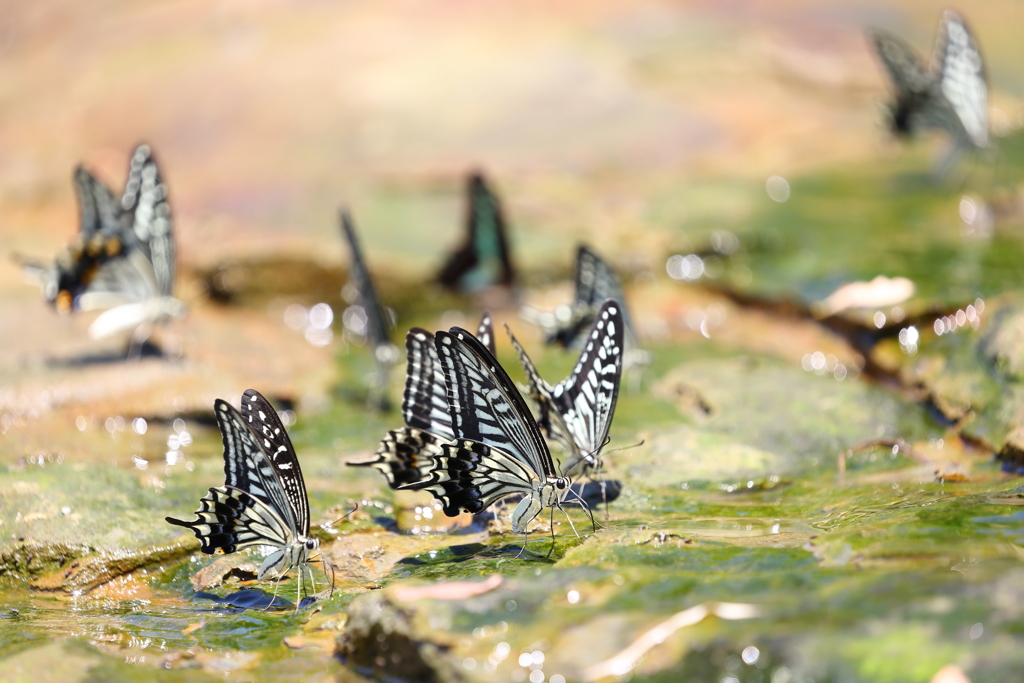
655, 131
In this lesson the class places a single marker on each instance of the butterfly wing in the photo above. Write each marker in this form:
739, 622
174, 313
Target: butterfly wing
425, 401
587, 398
376, 327
405, 456
485, 405
485, 332
266, 426
962, 76
549, 416
247, 467
145, 201
483, 259
906, 70
469, 475
98, 211
229, 519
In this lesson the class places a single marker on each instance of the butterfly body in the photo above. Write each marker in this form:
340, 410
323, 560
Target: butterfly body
263, 501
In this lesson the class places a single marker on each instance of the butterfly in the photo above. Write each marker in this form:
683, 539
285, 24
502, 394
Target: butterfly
595, 281
123, 258
577, 412
484, 259
498, 449
950, 94
263, 500
375, 320
406, 454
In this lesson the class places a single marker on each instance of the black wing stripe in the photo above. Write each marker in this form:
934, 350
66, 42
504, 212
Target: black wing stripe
266, 425
229, 519
469, 476
425, 401
247, 467
405, 456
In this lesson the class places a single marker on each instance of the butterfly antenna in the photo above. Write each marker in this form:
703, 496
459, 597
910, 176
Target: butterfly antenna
345, 516
586, 508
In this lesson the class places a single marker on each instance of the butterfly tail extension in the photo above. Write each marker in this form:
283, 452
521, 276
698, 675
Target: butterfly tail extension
405, 456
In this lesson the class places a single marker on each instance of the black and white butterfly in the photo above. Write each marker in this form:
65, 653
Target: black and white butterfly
263, 500
370, 319
484, 259
950, 94
406, 455
123, 259
577, 412
498, 448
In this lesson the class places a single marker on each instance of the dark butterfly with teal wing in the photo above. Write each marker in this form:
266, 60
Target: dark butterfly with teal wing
484, 259
263, 501
577, 412
405, 455
951, 94
498, 449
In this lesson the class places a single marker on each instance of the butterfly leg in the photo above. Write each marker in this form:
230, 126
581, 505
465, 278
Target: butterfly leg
552, 549
273, 599
586, 508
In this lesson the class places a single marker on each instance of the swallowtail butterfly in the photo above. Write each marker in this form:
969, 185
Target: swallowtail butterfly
377, 324
951, 94
484, 259
123, 258
578, 411
263, 500
595, 282
405, 455
498, 449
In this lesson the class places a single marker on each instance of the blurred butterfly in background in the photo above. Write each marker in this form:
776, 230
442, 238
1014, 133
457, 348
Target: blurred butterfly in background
367, 318
577, 412
405, 455
594, 283
483, 260
498, 448
263, 501
123, 259
950, 94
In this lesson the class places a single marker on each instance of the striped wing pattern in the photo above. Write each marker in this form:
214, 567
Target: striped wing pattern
485, 405
470, 476
252, 507
595, 282
230, 520
266, 426
549, 417
425, 402
587, 397
578, 411
98, 211
962, 76
405, 456
146, 205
